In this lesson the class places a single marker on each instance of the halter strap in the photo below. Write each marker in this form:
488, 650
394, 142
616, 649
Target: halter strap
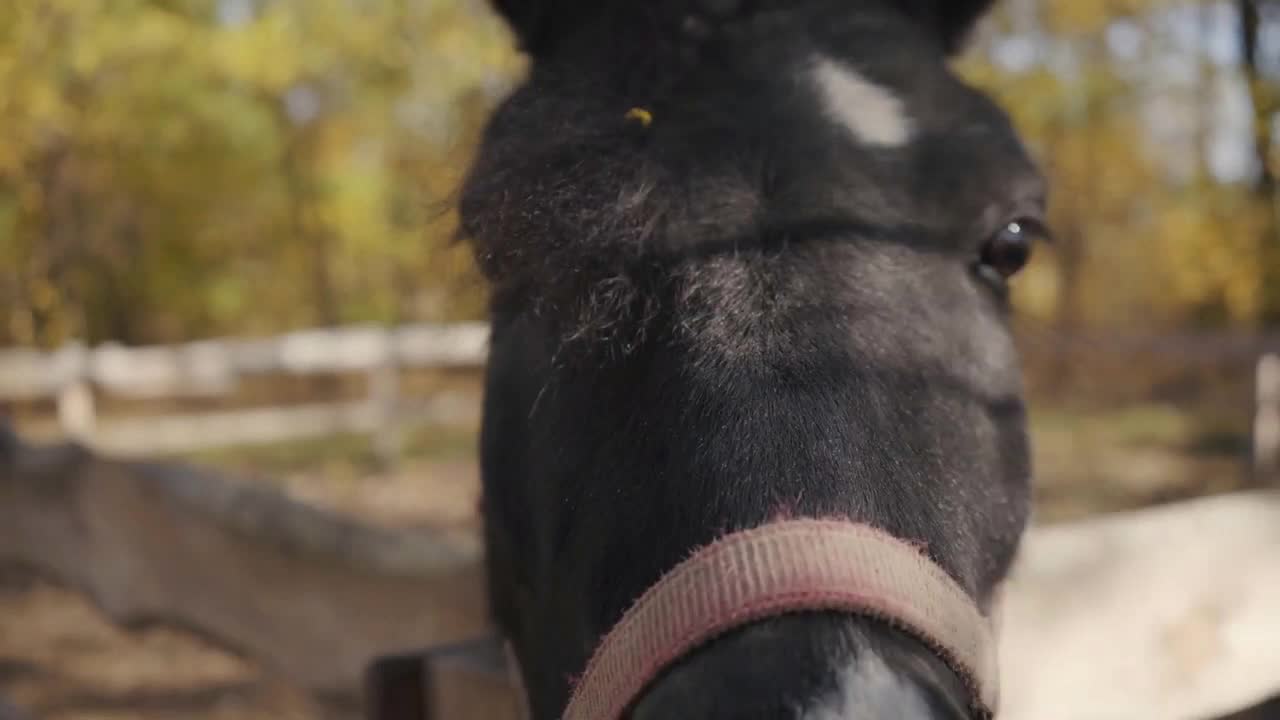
785, 567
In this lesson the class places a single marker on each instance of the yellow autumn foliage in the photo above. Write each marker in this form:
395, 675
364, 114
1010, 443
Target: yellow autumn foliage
170, 169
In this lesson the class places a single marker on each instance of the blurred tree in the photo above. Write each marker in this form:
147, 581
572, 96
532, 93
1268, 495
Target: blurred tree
177, 169
180, 168
1123, 102
1260, 72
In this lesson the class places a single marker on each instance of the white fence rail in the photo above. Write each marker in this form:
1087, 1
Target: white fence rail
214, 367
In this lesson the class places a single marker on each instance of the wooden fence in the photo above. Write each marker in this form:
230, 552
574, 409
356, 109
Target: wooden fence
210, 368
73, 374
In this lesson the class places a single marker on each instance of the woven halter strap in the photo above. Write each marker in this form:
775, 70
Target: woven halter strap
786, 567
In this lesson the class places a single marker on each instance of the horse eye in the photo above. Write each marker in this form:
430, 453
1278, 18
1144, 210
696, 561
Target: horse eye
1009, 250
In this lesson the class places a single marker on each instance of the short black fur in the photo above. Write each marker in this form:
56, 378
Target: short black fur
736, 308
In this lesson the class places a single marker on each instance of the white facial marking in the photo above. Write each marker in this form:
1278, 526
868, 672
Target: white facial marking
869, 676
872, 113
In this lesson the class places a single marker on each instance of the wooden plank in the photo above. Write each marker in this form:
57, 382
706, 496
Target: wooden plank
212, 367
464, 345
179, 433
465, 681
195, 369
30, 374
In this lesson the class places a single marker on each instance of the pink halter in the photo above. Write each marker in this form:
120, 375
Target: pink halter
783, 567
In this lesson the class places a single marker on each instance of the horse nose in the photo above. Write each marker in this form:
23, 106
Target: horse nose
818, 666
872, 689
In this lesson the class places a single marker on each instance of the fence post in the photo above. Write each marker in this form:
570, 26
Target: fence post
76, 410
384, 399
1266, 424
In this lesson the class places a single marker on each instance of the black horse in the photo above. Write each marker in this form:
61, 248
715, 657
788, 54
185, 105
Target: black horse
749, 260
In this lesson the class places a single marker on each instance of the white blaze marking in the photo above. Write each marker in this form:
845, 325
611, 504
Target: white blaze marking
872, 113
868, 676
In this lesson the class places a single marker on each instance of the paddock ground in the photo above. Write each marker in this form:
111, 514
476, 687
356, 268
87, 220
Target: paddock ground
60, 659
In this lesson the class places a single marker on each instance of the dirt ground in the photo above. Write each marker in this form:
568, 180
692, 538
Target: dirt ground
60, 660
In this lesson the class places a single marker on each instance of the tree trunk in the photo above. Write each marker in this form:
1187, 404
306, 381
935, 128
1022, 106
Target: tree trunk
1071, 246
1259, 91
314, 240
1264, 96
1206, 109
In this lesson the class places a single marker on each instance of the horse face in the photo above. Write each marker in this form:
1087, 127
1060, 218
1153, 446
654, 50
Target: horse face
749, 260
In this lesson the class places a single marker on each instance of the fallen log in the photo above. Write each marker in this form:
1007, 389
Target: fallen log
311, 595
1169, 613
